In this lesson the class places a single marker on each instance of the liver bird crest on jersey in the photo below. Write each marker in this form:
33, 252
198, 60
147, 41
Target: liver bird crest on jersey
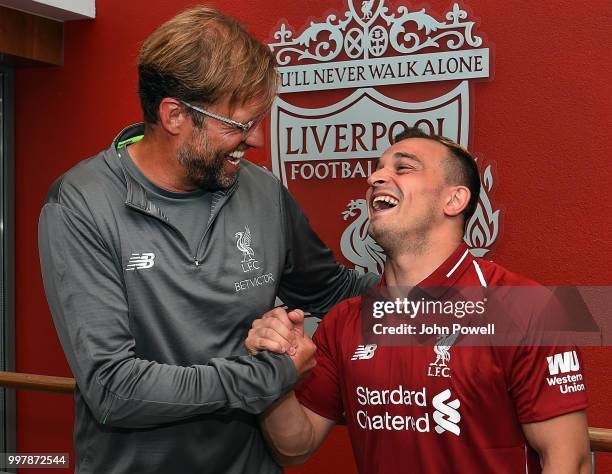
439, 367
356, 244
442, 349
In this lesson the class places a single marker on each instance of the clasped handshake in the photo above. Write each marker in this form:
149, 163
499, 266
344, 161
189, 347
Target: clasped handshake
282, 331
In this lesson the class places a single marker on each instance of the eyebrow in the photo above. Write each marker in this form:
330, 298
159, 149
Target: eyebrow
398, 155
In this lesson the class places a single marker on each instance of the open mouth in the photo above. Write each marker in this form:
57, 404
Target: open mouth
234, 157
383, 202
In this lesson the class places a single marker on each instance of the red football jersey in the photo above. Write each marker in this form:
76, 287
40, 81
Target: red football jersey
426, 409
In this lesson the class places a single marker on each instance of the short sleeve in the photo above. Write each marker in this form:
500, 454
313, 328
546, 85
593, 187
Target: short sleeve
546, 381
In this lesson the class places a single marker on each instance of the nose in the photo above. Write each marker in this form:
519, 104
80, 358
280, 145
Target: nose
255, 136
378, 178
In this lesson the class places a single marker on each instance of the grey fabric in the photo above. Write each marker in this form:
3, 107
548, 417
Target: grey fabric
188, 212
154, 334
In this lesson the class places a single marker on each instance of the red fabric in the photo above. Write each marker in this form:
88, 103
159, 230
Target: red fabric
497, 389
549, 145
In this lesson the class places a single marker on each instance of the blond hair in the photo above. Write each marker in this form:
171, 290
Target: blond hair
202, 56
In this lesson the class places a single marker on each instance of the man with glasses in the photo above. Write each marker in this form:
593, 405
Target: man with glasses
159, 252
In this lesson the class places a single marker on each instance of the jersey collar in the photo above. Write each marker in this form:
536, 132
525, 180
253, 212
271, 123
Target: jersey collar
449, 272
451, 269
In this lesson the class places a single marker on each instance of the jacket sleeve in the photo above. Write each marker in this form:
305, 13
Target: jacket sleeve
86, 295
312, 279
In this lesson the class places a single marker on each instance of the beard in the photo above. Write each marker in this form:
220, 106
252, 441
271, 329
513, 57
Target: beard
204, 165
398, 237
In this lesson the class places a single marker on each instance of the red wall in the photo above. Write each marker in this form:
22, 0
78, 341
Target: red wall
543, 118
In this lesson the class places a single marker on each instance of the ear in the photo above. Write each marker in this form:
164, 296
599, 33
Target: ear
172, 115
458, 199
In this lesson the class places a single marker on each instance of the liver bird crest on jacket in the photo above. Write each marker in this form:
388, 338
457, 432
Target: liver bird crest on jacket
356, 245
243, 242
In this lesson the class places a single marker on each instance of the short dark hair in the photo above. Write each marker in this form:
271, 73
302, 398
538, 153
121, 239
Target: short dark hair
461, 168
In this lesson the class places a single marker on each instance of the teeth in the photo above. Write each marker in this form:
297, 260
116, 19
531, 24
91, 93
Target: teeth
388, 200
392, 202
236, 154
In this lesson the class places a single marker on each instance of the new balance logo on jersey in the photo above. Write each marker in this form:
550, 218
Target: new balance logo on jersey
140, 261
364, 352
446, 414
563, 362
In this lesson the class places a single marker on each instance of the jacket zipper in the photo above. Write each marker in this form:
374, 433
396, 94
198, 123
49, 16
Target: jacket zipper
178, 232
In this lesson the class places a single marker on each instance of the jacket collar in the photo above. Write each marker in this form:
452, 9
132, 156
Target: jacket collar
136, 195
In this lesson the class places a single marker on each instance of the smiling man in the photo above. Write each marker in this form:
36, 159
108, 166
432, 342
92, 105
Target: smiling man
483, 409
159, 252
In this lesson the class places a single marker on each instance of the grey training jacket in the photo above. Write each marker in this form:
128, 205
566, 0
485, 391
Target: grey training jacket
154, 335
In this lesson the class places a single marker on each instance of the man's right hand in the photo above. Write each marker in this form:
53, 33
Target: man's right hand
281, 331
272, 332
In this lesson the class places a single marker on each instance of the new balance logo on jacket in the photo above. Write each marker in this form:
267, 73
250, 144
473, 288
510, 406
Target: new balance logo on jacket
141, 261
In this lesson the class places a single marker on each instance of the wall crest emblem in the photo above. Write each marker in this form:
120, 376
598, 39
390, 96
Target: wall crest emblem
368, 49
